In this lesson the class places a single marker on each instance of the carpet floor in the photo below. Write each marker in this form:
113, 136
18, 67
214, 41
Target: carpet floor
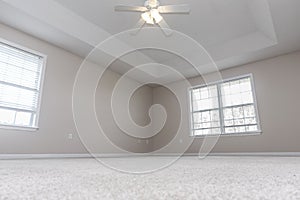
188, 178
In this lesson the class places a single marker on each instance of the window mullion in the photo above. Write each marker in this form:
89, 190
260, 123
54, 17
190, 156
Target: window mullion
192, 111
221, 114
31, 119
15, 117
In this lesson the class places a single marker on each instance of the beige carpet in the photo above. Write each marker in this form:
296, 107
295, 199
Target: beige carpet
189, 178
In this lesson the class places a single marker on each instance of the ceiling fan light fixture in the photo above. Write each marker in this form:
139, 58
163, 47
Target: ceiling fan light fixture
147, 17
155, 14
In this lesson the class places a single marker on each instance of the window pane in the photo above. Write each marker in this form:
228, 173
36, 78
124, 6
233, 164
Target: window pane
196, 94
250, 120
7, 117
215, 115
15, 97
205, 104
252, 128
239, 122
247, 97
240, 129
239, 111
245, 85
249, 111
228, 122
229, 130
20, 78
23, 118
228, 113
206, 119
238, 108
205, 98
237, 92
241, 115
215, 131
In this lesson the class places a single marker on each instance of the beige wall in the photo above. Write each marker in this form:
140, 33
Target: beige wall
56, 120
139, 105
276, 80
277, 89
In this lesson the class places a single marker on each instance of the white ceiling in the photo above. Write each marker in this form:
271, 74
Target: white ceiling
233, 32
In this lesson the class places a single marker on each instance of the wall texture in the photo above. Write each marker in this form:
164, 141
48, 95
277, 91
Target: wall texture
277, 89
56, 119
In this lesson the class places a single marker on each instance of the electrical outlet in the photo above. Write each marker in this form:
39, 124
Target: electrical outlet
70, 136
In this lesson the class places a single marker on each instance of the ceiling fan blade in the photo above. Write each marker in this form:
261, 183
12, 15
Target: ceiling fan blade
139, 25
165, 27
122, 8
184, 9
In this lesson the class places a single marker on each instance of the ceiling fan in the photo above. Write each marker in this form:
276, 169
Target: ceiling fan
151, 13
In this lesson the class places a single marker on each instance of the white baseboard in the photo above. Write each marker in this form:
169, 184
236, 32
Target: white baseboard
61, 156
279, 154
56, 156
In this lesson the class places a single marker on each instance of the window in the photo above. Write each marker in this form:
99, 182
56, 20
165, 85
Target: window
224, 108
21, 73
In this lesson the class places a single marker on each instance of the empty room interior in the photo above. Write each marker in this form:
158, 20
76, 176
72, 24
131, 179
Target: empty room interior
149, 99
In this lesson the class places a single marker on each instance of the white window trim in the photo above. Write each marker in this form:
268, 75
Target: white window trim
253, 133
36, 125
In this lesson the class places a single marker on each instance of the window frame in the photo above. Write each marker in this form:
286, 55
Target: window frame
35, 126
220, 108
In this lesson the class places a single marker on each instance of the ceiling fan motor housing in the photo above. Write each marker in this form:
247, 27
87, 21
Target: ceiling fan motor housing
151, 4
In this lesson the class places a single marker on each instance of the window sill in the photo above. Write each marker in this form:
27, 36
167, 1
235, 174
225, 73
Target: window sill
19, 128
256, 133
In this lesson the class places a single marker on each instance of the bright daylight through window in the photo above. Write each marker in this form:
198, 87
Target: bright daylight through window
227, 107
20, 83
